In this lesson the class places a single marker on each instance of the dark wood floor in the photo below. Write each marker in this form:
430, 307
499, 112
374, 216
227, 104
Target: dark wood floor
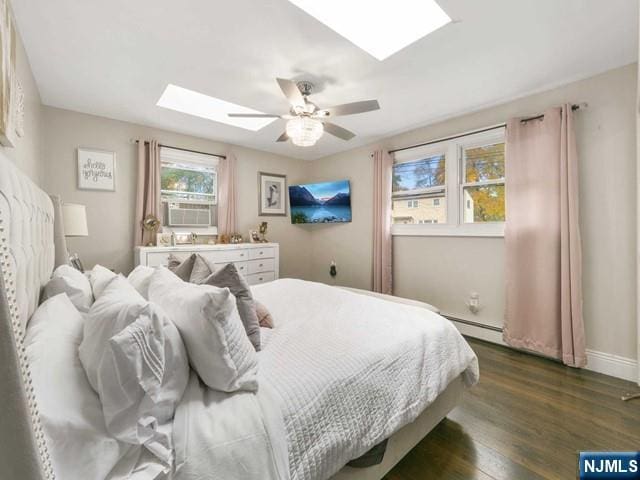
526, 419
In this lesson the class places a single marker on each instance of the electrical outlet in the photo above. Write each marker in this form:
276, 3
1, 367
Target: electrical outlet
474, 302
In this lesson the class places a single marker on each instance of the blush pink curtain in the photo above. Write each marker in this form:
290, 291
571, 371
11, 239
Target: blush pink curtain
227, 195
148, 192
382, 242
542, 238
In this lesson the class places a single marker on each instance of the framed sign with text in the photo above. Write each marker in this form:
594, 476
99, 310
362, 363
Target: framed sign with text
96, 170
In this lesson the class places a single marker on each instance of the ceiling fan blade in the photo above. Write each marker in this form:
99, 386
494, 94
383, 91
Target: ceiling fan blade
338, 131
283, 138
350, 108
291, 91
252, 115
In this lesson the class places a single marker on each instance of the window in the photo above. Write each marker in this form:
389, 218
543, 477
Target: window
453, 187
186, 176
415, 180
483, 185
189, 191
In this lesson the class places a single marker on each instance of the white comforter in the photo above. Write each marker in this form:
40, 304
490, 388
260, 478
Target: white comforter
350, 370
339, 373
226, 436
217, 436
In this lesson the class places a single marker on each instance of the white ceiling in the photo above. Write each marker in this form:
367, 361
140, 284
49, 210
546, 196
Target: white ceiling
114, 58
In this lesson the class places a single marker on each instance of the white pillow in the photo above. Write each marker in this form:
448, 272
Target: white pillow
100, 278
207, 318
66, 279
140, 278
70, 410
135, 359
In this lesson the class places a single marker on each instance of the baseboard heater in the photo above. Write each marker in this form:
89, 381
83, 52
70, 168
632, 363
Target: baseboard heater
474, 324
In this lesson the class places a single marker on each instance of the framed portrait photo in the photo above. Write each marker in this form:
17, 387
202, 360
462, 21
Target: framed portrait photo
272, 194
96, 170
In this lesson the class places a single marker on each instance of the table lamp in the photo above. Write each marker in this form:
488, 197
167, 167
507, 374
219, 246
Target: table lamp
74, 219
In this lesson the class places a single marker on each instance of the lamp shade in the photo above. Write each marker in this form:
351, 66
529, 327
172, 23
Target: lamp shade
74, 218
304, 131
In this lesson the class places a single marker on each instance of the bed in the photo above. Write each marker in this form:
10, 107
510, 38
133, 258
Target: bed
340, 373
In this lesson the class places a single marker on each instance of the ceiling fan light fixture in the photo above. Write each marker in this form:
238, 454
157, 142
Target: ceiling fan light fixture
304, 131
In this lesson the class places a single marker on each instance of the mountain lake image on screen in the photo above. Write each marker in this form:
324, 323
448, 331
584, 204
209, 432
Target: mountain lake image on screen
327, 202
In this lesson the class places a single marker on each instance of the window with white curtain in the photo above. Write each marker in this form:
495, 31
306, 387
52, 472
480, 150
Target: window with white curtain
453, 187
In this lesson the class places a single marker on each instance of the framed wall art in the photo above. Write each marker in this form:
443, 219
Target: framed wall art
96, 170
272, 190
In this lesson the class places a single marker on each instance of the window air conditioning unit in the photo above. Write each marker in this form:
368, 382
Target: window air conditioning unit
189, 214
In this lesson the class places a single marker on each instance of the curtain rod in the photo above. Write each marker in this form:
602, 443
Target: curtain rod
186, 150
482, 130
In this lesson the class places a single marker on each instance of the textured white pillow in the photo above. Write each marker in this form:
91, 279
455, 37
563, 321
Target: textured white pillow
135, 359
140, 278
100, 278
208, 321
70, 410
66, 279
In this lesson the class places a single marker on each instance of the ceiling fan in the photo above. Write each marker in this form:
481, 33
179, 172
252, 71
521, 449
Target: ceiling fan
305, 121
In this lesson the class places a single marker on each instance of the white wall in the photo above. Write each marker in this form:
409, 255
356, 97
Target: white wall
26, 150
444, 270
439, 270
111, 214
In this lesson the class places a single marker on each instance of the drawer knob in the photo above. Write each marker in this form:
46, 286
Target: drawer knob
260, 265
242, 254
260, 278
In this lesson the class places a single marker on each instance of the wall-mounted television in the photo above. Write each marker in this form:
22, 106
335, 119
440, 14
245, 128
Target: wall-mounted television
327, 202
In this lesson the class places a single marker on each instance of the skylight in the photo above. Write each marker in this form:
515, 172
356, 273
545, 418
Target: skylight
379, 27
201, 105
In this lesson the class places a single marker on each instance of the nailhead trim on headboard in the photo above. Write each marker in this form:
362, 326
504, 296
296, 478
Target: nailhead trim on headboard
18, 334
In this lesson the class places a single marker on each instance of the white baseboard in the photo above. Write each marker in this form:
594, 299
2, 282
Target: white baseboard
613, 365
478, 332
600, 362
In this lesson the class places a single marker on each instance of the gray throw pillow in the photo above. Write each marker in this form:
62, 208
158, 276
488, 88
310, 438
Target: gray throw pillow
229, 277
201, 269
182, 269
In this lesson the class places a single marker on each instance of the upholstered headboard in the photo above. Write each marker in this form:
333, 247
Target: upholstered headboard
27, 256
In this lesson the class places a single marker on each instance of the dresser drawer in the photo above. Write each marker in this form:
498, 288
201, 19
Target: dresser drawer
156, 259
261, 265
258, 278
242, 267
225, 256
267, 252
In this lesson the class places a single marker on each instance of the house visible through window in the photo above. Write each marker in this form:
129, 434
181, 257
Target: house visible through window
416, 187
458, 184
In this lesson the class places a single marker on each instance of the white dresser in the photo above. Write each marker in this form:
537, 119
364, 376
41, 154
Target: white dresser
258, 262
